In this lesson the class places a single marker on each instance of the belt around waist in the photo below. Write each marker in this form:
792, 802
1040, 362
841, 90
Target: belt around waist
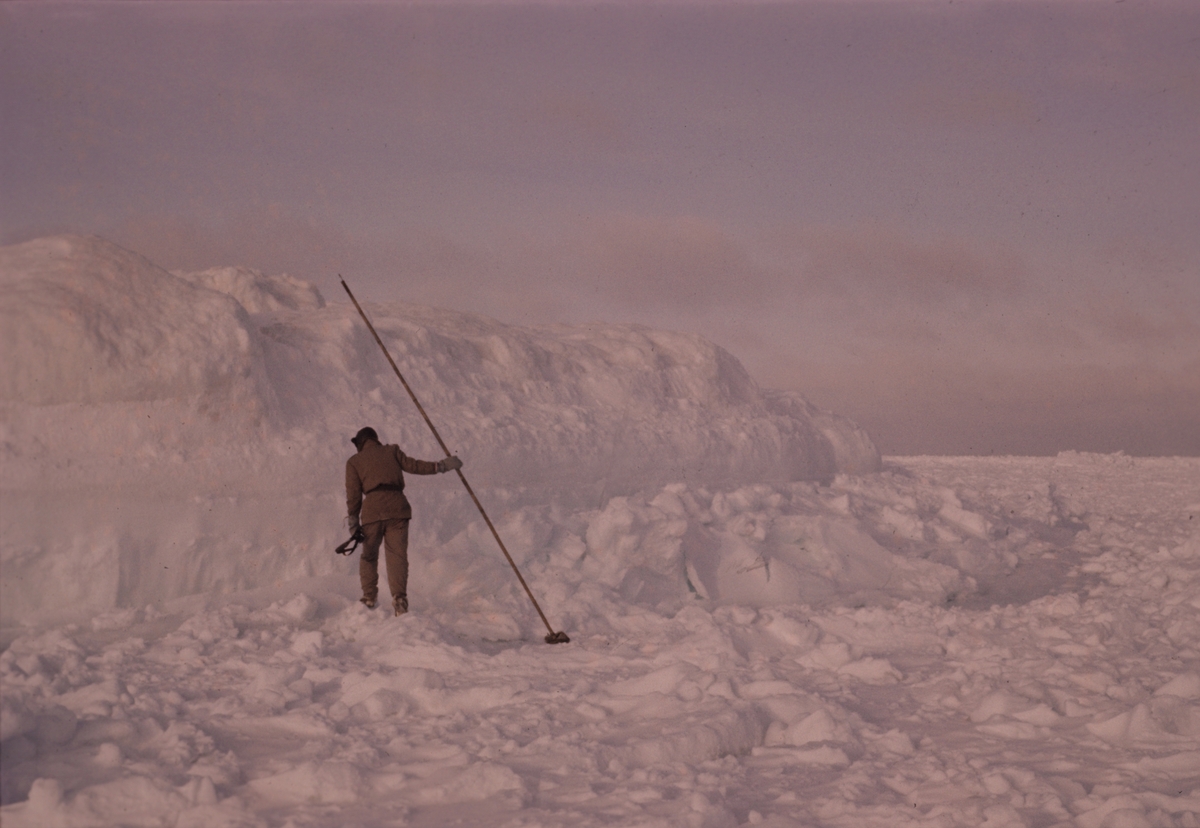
387, 487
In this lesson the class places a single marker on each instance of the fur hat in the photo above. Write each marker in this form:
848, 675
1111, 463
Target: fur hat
363, 435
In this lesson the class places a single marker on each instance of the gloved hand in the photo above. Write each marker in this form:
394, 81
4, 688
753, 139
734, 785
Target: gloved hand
354, 526
449, 464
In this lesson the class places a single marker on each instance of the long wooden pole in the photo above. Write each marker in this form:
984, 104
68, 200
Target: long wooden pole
553, 637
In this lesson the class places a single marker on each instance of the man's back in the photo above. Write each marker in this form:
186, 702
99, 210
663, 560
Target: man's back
375, 481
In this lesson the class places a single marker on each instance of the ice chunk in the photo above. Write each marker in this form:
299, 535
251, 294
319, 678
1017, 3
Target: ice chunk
1185, 685
326, 782
1139, 727
481, 780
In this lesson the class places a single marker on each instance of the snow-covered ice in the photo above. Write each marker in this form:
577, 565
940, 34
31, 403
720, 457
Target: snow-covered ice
769, 625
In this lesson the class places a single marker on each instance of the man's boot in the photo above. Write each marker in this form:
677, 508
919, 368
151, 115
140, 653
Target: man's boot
400, 604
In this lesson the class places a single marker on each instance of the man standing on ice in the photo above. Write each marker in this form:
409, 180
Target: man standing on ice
375, 488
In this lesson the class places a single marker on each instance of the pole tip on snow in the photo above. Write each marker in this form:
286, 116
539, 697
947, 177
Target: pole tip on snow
557, 638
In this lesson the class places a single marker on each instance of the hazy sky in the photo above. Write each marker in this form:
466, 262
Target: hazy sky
972, 226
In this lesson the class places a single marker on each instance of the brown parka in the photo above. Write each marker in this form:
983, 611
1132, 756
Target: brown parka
375, 483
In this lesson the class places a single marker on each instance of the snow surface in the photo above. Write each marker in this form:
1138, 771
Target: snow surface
769, 626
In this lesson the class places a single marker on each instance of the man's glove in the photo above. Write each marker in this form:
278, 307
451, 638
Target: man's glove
449, 464
353, 525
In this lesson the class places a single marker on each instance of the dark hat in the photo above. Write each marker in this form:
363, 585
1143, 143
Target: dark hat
363, 435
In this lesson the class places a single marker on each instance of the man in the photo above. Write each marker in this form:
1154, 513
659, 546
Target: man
375, 488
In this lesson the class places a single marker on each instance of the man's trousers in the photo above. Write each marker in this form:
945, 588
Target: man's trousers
393, 534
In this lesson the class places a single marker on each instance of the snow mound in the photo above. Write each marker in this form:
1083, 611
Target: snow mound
87, 322
257, 292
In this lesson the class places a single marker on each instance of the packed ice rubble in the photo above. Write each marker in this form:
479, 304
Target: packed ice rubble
296, 706
157, 427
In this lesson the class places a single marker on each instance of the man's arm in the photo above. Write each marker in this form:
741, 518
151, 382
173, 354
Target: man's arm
415, 466
354, 496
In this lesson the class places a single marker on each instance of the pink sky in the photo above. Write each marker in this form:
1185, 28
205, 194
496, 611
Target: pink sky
971, 226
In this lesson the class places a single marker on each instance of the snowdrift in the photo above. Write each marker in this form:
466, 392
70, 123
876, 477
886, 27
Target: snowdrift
167, 433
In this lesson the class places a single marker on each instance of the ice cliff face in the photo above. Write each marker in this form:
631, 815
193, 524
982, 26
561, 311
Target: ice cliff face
91, 325
231, 393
